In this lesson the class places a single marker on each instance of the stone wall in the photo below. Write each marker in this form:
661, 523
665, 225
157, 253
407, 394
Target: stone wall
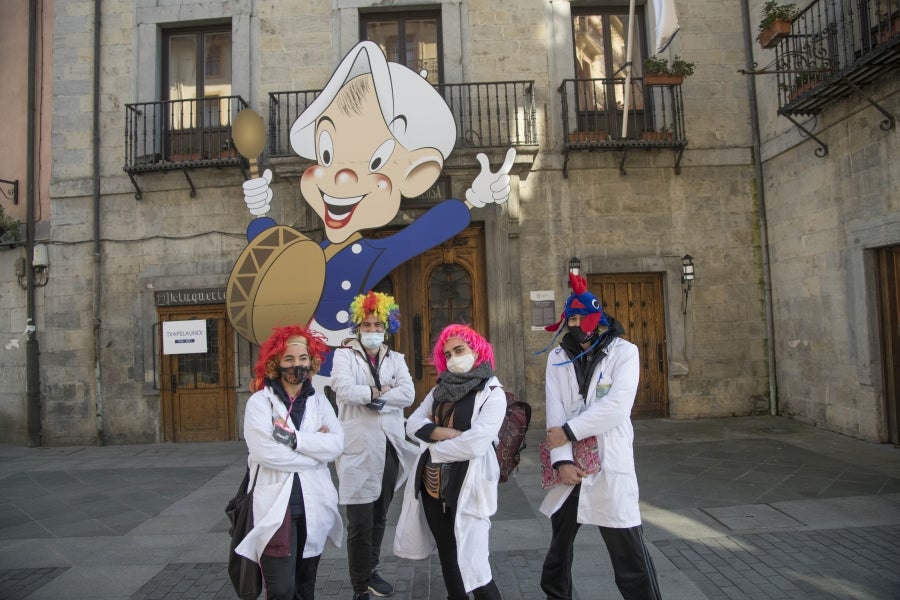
823, 216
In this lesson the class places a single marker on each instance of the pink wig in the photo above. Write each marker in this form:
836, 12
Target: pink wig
478, 344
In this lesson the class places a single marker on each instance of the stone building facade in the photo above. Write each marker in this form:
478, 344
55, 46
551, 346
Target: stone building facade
788, 248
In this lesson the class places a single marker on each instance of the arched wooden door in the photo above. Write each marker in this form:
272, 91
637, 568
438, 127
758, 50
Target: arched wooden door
441, 286
636, 301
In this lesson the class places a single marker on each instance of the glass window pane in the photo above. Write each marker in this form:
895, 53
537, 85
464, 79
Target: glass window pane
182, 67
422, 47
408, 40
449, 297
387, 35
201, 370
217, 64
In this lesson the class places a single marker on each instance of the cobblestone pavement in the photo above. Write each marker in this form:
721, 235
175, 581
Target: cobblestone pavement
755, 508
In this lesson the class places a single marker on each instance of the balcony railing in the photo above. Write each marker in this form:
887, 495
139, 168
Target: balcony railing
593, 114
834, 47
488, 115
177, 134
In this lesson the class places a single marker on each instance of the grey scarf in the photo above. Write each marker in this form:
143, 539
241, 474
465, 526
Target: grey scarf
455, 386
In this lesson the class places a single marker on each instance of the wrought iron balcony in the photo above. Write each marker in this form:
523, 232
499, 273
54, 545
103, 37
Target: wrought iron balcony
496, 114
180, 134
593, 116
834, 48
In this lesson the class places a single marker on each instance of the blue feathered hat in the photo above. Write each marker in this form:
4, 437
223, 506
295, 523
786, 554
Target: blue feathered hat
581, 302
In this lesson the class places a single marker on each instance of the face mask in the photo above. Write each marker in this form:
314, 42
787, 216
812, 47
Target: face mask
371, 340
461, 364
580, 336
294, 375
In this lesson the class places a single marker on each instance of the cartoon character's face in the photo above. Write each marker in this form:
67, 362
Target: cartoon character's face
362, 171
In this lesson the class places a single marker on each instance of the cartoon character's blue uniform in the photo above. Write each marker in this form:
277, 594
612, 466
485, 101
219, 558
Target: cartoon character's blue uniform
362, 264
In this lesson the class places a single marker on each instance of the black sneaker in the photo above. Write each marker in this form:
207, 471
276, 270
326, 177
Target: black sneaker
379, 586
362, 596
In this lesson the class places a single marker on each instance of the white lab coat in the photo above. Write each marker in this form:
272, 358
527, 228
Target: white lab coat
361, 466
610, 496
277, 465
478, 496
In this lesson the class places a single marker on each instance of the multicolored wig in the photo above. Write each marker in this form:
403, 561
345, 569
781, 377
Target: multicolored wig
271, 351
383, 306
476, 342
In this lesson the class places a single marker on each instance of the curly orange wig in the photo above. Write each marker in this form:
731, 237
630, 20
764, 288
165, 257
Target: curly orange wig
271, 351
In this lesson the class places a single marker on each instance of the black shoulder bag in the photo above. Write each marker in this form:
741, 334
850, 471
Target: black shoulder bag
246, 575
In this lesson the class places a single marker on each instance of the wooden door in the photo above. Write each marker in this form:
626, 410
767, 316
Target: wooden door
889, 309
197, 390
636, 301
441, 286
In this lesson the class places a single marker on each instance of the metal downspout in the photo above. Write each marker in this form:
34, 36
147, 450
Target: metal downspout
32, 350
761, 206
95, 147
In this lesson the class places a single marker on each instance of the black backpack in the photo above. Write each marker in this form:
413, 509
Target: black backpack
512, 435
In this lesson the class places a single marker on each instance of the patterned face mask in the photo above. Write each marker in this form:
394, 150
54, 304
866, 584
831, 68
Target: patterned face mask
461, 364
294, 375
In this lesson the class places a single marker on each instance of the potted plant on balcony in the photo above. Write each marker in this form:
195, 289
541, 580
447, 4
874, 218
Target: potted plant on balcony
9, 228
658, 71
775, 24
578, 137
664, 134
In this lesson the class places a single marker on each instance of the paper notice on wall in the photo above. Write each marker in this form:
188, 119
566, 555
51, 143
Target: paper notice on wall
543, 309
184, 337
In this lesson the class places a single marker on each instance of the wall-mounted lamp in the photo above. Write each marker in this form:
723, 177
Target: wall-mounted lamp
40, 264
687, 278
575, 265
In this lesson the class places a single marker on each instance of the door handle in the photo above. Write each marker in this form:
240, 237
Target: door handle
417, 345
174, 382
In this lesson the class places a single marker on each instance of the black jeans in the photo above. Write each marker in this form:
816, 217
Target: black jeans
632, 565
440, 522
291, 577
365, 526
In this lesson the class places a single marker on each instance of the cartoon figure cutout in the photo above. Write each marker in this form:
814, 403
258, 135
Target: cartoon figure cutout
378, 132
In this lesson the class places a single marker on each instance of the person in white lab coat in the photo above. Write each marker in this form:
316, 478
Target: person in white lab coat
372, 386
448, 502
292, 434
591, 382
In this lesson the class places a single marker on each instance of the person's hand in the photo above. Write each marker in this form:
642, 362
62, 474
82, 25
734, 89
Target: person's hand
440, 434
257, 194
324, 429
570, 474
488, 187
556, 437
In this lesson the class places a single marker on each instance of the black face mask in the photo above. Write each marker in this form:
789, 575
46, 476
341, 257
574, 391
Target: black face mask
294, 375
581, 337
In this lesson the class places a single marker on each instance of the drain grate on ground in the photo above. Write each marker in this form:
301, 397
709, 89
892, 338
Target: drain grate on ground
16, 584
751, 516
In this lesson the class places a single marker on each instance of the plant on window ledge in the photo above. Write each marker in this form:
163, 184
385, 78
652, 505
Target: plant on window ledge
776, 23
658, 71
9, 228
665, 133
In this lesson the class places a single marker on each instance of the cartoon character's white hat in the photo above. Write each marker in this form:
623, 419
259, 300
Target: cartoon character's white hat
416, 114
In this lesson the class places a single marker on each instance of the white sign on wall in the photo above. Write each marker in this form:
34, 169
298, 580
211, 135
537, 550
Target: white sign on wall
184, 337
543, 309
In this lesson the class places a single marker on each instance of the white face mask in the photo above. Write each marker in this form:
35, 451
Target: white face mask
461, 364
371, 340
